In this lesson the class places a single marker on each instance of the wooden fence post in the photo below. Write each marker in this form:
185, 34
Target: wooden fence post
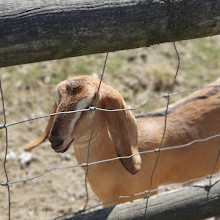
32, 31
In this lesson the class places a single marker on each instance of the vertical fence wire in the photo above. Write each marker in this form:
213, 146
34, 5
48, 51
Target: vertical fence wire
148, 192
214, 166
178, 60
92, 130
216, 161
6, 151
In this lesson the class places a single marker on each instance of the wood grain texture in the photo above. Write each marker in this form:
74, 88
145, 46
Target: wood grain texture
32, 31
195, 202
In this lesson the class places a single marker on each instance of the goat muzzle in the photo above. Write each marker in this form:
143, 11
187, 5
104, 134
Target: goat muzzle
56, 143
59, 145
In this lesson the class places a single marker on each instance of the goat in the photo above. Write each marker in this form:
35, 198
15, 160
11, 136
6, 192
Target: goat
120, 134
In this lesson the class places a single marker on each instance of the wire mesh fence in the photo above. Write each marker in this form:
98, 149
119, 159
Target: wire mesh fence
157, 150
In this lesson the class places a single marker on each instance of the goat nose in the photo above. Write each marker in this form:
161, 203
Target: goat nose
56, 143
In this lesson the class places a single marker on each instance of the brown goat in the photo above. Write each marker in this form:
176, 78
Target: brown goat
120, 134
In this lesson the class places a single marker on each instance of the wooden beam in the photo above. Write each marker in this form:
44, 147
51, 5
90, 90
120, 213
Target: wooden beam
195, 202
37, 30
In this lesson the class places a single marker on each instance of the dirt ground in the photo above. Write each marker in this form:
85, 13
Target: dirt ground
29, 91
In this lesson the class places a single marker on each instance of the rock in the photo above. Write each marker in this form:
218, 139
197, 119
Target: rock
54, 74
18, 84
69, 191
30, 213
95, 75
65, 157
47, 79
25, 159
11, 155
143, 57
131, 58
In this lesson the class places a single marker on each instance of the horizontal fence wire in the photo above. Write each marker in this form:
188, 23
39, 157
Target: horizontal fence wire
93, 108
157, 149
112, 159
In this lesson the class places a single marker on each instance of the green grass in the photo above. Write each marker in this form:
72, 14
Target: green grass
204, 65
59, 70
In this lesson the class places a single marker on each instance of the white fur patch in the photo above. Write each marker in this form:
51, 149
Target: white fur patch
82, 104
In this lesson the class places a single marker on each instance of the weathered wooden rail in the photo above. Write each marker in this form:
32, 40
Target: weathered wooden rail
32, 31
198, 201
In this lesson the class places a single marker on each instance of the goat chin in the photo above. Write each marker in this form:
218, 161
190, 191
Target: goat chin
121, 134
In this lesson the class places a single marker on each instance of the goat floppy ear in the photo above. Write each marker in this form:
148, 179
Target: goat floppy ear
122, 128
45, 134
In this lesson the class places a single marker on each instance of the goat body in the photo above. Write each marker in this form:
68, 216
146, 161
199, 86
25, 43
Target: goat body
120, 134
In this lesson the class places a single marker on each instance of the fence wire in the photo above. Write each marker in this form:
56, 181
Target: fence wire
92, 130
6, 151
94, 108
164, 131
156, 150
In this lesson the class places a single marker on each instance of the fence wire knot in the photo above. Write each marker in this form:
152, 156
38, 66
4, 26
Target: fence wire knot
157, 150
3, 126
4, 184
148, 192
81, 211
84, 165
92, 108
166, 96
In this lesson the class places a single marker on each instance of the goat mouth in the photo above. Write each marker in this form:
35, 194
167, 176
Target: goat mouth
66, 148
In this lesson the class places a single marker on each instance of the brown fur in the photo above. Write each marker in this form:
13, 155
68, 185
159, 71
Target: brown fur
119, 134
